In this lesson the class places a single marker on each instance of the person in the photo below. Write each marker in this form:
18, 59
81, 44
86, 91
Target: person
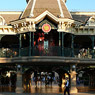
67, 87
78, 82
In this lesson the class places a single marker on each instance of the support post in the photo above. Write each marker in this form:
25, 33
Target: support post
59, 39
19, 88
32, 43
73, 79
92, 38
29, 43
62, 44
20, 44
72, 46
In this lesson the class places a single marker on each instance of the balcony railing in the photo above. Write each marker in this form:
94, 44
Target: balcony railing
24, 51
9, 52
84, 53
67, 52
51, 51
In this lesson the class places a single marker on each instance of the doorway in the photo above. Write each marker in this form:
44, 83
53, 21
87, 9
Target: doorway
45, 80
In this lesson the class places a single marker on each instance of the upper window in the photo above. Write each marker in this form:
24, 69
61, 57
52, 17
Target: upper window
91, 21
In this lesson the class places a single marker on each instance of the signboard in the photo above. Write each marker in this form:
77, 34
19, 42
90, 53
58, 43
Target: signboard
46, 28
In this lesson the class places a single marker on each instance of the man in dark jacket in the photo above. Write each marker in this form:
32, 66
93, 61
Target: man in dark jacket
67, 87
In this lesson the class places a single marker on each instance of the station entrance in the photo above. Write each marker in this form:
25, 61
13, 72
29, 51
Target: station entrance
45, 80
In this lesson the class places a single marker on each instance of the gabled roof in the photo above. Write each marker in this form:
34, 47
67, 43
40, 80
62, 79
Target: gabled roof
10, 16
82, 18
37, 7
48, 14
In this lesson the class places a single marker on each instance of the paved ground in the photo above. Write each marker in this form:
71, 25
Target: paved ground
45, 94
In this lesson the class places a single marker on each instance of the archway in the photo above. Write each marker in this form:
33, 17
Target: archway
85, 78
9, 41
83, 46
9, 46
38, 80
7, 78
82, 42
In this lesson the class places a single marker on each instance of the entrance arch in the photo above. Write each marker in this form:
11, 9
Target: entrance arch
7, 78
9, 46
82, 42
38, 80
83, 46
9, 41
85, 78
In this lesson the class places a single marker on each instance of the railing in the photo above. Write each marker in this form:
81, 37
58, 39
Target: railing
67, 52
24, 51
51, 51
6, 52
84, 53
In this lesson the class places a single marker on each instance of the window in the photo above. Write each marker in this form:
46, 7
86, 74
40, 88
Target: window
2, 21
91, 21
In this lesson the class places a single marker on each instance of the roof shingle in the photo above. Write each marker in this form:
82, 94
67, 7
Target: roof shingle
42, 5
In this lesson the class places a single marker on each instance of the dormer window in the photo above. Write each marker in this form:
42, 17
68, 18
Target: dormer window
2, 21
91, 21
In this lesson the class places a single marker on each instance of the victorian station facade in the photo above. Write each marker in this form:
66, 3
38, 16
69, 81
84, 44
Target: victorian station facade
43, 45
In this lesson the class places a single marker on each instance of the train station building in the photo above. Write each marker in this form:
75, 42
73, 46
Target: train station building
45, 44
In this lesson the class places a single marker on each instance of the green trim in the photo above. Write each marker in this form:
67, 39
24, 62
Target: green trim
72, 46
62, 44
30, 44
20, 44
92, 39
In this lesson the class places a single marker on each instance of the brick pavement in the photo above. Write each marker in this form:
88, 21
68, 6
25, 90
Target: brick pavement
44, 94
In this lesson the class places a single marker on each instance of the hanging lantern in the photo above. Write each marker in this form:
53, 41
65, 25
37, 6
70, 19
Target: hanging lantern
24, 36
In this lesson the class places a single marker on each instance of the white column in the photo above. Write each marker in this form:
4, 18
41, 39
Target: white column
73, 79
19, 88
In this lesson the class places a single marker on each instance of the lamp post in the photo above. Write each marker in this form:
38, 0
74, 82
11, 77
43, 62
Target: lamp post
73, 68
19, 87
18, 67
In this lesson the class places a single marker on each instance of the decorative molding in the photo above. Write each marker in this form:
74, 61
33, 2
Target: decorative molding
2, 21
7, 31
25, 9
46, 13
31, 14
60, 7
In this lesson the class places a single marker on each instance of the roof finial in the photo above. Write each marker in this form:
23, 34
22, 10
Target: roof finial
65, 1
27, 1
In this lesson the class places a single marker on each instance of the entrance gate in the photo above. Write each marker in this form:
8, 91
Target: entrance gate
45, 81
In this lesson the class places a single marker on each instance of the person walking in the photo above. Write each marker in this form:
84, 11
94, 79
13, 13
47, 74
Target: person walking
67, 87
